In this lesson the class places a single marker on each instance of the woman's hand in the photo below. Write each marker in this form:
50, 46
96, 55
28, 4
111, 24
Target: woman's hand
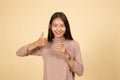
60, 47
41, 42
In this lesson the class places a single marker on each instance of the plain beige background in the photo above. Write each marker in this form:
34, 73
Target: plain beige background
95, 24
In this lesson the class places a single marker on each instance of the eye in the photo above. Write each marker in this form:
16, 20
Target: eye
62, 26
54, 25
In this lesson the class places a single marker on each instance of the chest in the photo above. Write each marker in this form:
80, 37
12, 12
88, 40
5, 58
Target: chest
51, 53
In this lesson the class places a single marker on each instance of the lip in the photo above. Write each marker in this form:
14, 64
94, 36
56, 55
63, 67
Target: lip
58, 33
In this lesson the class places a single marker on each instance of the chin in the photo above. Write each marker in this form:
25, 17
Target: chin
58, 36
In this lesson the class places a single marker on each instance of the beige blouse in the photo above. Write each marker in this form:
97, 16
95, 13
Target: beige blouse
55, 65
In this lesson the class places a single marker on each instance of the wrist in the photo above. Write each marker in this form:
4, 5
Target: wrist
38, 43
67, 56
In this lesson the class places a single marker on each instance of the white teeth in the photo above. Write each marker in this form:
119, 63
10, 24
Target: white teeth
58, 33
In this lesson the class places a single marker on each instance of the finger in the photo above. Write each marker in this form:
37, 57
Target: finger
58, 48
60, 45
46, 42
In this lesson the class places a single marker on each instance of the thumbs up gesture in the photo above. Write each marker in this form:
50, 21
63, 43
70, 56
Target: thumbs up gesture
42, 40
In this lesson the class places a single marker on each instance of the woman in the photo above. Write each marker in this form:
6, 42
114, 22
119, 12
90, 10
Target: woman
61, 54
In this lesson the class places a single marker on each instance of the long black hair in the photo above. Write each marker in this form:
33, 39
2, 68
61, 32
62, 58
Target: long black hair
67, 34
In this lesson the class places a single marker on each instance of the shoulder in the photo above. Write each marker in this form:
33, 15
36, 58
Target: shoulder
72, 42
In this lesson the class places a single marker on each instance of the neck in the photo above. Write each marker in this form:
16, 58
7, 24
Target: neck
60, 39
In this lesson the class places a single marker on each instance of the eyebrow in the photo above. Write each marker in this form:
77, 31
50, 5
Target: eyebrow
57, 24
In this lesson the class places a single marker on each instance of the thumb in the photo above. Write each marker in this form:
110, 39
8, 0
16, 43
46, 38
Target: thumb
42, 35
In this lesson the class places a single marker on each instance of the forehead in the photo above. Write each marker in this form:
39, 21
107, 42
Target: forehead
57, 21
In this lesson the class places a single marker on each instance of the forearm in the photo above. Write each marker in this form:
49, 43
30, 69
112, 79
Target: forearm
70, 61
27, 49
32, 46
22, 51
78, 68
74, 65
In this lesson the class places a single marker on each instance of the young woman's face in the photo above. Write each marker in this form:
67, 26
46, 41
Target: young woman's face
58, 28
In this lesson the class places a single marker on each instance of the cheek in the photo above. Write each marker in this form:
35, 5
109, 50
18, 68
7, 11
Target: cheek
53, 29
63, 29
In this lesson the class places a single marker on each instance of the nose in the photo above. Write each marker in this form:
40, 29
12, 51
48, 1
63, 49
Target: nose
58, 28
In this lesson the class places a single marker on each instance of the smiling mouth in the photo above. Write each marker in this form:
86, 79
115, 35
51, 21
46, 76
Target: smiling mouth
58, 33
